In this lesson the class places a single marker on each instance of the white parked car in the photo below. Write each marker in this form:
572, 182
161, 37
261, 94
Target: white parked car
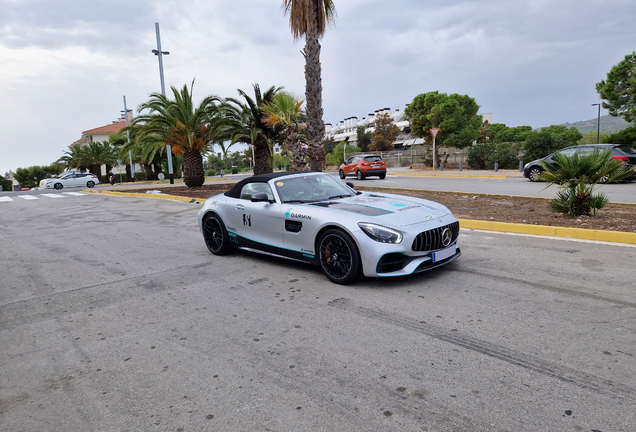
70, 180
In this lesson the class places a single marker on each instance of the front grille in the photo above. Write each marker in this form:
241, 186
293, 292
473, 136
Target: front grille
432, 239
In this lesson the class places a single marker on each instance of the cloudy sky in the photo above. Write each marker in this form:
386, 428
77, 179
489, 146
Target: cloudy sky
65, 65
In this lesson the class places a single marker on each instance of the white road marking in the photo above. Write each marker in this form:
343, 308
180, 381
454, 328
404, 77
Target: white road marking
28, 197
53, 196
7, 199
74, 193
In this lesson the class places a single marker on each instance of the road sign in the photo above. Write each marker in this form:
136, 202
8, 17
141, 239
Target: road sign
434, 131
249, 159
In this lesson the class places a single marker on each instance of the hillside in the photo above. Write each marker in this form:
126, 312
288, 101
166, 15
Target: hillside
609, 125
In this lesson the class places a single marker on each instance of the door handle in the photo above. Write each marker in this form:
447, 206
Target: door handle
239, 207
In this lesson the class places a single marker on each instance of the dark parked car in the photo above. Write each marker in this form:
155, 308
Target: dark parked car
622, 152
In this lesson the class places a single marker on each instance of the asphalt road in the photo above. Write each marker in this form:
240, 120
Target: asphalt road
115, 317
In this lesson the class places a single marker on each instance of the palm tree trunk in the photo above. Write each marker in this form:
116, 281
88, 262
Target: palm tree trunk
193, 174
263, 162
313, 94
294, 152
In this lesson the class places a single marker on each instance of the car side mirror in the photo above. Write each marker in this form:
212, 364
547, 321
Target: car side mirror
351, 185
259, 197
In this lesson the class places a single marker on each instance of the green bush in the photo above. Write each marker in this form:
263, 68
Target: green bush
235, 170
484, 156
7, 186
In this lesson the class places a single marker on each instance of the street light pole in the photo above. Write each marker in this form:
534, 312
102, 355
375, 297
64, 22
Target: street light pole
160, 54
130, 159
598, 124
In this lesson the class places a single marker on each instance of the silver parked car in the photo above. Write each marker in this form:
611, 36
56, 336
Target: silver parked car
316, 218
70, 180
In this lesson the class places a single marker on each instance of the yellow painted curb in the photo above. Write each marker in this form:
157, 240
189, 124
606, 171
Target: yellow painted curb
577, 233
147, 195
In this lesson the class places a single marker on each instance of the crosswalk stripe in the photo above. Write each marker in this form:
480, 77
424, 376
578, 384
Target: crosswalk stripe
74, 193
53, 195
6, 199
28, 197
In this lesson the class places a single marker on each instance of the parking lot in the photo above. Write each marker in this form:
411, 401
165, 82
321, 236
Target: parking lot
115, 317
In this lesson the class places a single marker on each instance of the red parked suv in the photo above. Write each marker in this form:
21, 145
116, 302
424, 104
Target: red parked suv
363, 166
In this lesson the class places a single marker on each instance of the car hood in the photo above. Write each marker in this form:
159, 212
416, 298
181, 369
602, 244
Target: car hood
388, 209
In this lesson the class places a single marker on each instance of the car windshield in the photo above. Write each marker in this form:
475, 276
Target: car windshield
311, 188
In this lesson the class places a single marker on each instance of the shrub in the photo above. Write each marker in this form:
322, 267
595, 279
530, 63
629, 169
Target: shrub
484, 156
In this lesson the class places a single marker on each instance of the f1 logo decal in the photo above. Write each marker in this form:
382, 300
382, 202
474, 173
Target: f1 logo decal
247, 220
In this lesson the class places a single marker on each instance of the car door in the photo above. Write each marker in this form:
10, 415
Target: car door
350, 166
258, 224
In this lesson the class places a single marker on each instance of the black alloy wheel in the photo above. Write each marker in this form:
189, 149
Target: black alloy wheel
58, 186
338, 256
215, 235
90, 184
534, 173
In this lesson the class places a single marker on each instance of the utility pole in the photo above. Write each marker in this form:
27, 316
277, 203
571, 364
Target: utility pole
160, 54
132, 166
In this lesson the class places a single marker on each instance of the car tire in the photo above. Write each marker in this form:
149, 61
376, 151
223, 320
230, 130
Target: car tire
90, 184
382, 176
534, 173
341, 174
215, 235
58, 186
338, 256
359, 175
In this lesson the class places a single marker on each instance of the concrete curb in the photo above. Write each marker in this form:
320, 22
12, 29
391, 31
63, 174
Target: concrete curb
451, 175
545, 230
542, 230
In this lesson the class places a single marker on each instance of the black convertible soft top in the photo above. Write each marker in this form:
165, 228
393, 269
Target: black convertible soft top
235, 192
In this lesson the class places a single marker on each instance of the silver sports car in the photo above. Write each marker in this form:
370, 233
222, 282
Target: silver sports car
314, 217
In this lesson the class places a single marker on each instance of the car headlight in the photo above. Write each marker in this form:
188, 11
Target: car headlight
380, 233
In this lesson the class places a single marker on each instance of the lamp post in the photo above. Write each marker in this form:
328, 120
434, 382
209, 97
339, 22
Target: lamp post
598, 124
160, 54
130, 159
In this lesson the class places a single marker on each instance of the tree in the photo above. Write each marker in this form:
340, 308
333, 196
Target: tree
30, 177
577, 177
549, 140
514, 134
284, 110
90, 157
364, 138
591, 137
384, 134
336, 157
626, 136
243, 122
329, 144
455, 116
309, 19
182, 125
619, 91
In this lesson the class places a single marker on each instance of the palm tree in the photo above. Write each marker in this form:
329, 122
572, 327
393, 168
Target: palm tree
577, 177
90, 157
309, 18
243, 122
178, 123
284, 110
72, 158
